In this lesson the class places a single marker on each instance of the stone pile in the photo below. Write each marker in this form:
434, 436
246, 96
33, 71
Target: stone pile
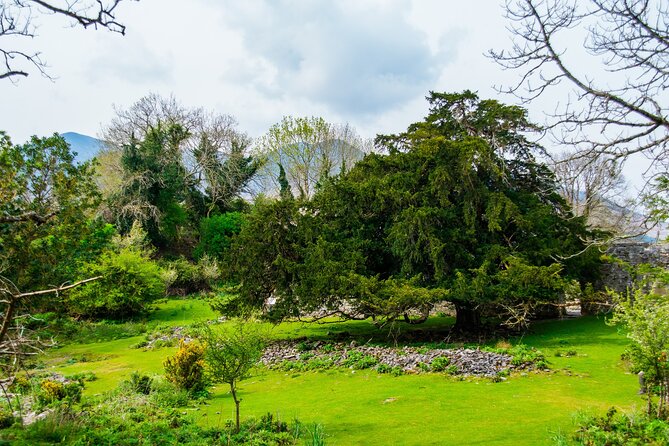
409, 359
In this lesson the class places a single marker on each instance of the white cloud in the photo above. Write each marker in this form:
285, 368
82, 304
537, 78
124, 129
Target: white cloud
357, 58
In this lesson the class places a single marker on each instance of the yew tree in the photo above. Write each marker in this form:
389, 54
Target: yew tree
457, 209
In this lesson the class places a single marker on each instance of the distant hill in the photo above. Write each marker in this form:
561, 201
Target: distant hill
86, 147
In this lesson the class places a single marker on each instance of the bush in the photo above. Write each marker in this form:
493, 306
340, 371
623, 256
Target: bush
216, 233
167, 395
21, 385
183, 277
439, 364
50, 391
619, 429
53, 429
122, 417
394, 370
139, 383
359, 361
525, 356
186, 368
6, 418
129, 282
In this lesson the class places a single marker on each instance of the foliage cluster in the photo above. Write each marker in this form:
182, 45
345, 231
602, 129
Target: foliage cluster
186, 369
183, 277
617, 429
457, 209
128, 282
644, 312
145, 410
216, 234
45, 203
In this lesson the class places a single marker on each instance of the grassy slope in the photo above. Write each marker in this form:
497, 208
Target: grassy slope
368, 408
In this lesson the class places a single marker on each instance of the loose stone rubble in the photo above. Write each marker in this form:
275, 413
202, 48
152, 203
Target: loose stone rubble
409, 359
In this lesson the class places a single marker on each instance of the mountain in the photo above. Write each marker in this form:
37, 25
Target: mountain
86, 147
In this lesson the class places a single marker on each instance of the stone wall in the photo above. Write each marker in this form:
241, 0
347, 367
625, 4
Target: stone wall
616, 277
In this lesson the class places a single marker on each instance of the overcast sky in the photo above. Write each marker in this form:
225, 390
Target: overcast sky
366, 62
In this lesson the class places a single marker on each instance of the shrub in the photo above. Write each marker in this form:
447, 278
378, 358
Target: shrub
129, 281
51, 391
53, 429
21, 385
216, 233
359, 361
183, 277
439, 363
620, 429
452, 369
522, 355
186, 368
391, 370
167, 395
139, 383
6, 418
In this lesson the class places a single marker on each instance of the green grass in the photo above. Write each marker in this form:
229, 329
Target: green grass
363, 407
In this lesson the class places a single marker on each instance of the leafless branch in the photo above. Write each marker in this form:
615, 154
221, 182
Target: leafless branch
618, 104
18, 20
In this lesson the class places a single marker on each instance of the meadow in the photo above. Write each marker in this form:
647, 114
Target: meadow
365, 407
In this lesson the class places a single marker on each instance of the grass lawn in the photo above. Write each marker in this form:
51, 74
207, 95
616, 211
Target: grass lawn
367, 408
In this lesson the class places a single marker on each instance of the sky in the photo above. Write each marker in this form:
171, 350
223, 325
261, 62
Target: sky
369, 63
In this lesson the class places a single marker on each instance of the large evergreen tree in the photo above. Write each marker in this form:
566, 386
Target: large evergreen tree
458, 209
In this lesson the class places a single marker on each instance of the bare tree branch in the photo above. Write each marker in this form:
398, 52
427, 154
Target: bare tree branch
18, 20
618, 101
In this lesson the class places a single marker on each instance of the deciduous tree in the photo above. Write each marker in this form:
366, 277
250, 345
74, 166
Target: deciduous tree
308, 151
617, 106
231, 355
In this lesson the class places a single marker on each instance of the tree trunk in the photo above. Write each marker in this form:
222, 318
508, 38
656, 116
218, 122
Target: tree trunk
233, 391
467, 318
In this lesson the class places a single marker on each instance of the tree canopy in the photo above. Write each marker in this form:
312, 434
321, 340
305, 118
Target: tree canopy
45, 201
458, 209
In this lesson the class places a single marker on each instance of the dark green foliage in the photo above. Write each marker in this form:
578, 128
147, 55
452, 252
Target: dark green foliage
118, 418
644, 312
439, 364
216, 233
284, 186
619, 429
129, 282
169, 196
139, 383
45, 202
385, 368
524, 355
458, 209
52, 391
155, 185
262, 256
6, 418
359, 361
227, 174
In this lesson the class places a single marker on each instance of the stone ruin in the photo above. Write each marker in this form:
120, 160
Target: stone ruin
616, 276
